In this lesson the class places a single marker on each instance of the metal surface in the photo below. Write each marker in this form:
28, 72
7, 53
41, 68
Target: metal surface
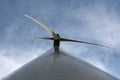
62, 67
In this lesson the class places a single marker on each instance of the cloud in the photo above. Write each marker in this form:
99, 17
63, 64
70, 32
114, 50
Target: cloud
103, 25
7, 65
13, 58
98, 64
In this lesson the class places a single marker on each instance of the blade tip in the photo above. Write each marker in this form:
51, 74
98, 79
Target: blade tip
26, 15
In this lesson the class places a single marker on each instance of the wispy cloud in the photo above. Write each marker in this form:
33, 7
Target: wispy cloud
7, 66
13, 58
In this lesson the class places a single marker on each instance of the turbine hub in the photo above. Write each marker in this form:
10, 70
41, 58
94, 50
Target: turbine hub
56, 37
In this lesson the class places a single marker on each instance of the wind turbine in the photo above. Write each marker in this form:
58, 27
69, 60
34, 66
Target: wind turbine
56, 37
66, 67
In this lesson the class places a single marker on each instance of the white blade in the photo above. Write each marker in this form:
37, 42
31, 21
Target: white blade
42, 25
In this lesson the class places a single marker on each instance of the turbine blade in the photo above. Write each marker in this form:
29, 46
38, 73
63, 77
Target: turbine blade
42, 25
38, 38
43, 38
69, 40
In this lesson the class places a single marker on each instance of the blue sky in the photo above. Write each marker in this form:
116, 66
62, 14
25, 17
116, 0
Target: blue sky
89, 20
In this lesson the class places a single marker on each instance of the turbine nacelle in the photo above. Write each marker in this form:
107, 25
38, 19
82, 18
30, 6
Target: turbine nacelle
56, 37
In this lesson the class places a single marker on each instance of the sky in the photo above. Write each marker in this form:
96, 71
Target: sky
95, 21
